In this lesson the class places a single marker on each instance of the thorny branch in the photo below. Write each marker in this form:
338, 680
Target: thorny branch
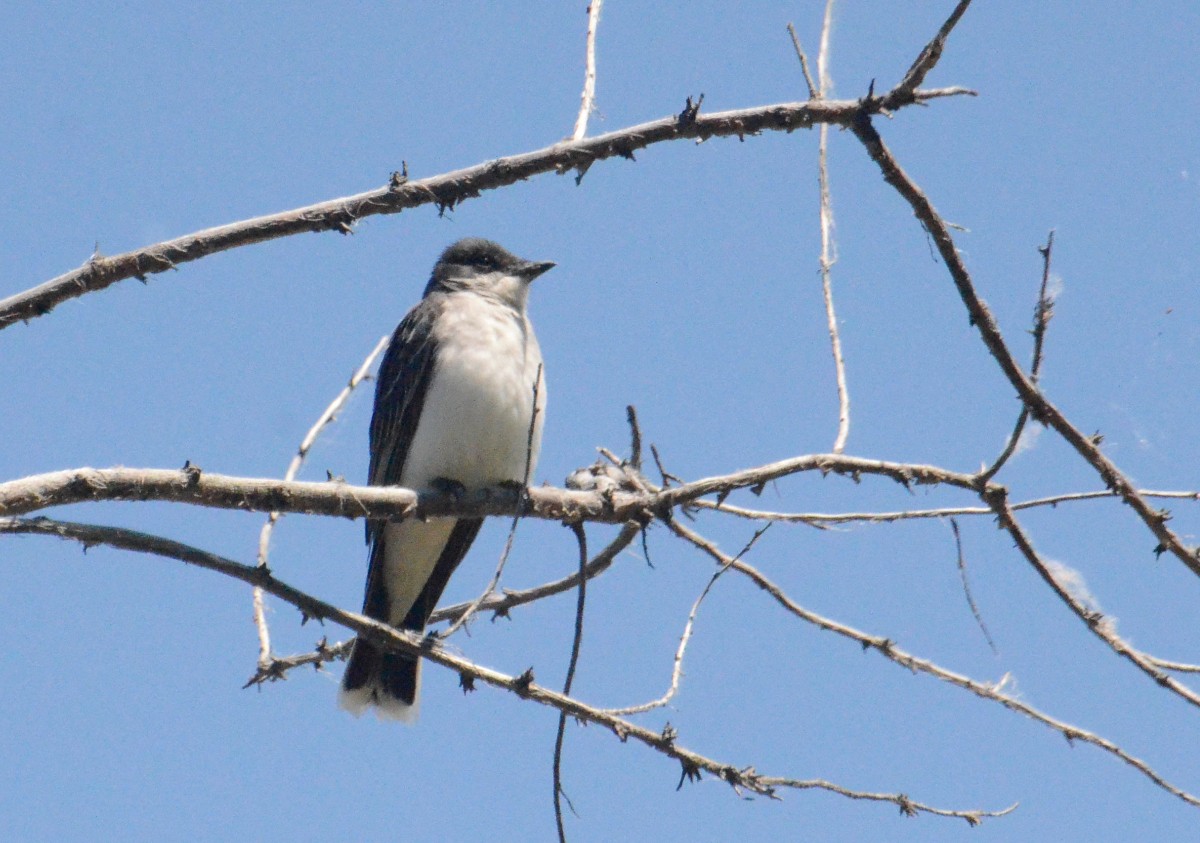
1102, 627
1040, 407
1041, 320
523, 686
498, 604
193, 486
442, 191
889, 650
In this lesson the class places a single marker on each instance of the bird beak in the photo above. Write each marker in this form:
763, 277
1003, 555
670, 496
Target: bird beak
532, 269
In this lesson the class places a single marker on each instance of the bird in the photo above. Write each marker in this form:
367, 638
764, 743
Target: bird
460, 400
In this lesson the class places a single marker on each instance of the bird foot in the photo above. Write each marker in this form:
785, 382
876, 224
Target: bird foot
446, 486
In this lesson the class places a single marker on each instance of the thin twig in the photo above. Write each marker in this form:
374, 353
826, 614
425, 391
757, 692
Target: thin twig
962, 572
588, 98
813, 92
259, 613
926, 61
677, 666
828, 249
394, 640
823, 50
1167, 664
501, 604
576, 646
1041, 320
323, 421
635, 438
936, 93
827, 261
827, 258
819, 519
277, 669
264, 537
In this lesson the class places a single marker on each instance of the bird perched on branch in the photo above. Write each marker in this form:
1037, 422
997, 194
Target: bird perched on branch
459, 403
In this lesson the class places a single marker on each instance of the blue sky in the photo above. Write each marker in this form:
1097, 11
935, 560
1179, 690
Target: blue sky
686, 285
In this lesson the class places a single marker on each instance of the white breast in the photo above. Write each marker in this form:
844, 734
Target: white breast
476, 417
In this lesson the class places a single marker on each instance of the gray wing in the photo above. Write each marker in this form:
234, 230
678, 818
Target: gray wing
400, 388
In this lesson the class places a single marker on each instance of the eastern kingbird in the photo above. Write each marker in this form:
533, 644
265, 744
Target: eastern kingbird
454, 408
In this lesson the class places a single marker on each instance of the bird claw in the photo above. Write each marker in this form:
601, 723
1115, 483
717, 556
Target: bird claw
446, 486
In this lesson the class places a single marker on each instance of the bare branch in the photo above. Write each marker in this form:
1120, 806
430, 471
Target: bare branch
277, 668
394, 640
193, 486
887, 648
823, 50
499, 604
1181, 667
443, 191
813, 91
576, 646
1100, 626
937, 93
1041, 319
265, 659
907, 807
326, 418
635, 438
981, 317
828, 258
927, 60
677, 667
588, 98
820, 519
966, 584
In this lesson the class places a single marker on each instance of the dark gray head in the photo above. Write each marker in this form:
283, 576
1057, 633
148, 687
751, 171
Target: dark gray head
481, 266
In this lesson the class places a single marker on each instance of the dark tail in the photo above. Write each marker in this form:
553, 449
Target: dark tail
392, 681
389, 681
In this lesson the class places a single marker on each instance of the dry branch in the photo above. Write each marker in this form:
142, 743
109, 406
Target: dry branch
443, 191
587, 100
193, 486
889, 650
265, 659
981, 317
821, 519
1096, 622
498, 604
523, 686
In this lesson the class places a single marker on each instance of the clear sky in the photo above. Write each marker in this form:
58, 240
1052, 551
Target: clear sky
686, 285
